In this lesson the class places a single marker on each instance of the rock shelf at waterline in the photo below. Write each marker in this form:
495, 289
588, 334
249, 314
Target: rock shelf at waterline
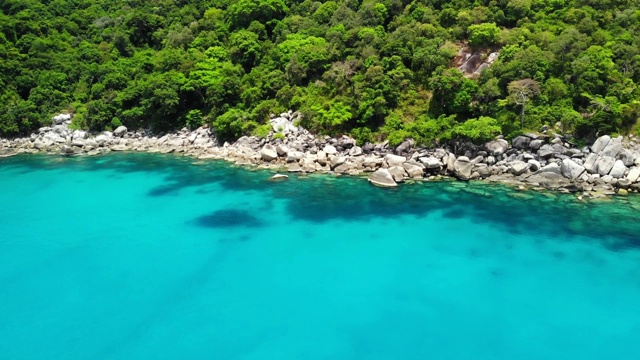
608, 166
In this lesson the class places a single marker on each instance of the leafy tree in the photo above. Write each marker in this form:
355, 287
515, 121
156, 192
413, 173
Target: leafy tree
452, 92
241, 13
216, 82
593, 69
484, 35
324, 13
245, 48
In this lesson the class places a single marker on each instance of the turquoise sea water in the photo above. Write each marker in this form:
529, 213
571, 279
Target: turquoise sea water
135, 256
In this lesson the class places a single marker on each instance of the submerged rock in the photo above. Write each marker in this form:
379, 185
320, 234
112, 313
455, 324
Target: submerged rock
229, 218
7, 153
279, 177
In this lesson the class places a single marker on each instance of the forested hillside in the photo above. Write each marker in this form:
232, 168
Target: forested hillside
372, 69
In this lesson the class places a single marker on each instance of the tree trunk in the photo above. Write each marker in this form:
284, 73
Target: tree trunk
522, 118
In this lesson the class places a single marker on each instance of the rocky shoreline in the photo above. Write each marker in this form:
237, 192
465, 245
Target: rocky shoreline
539, 161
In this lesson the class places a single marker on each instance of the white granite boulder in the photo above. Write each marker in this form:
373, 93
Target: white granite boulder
382, 177
570, 169
120, 131
268, 153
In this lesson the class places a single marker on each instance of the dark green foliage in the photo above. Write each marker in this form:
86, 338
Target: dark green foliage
231, 124
194, 119
478, 130
452, 92
372, 69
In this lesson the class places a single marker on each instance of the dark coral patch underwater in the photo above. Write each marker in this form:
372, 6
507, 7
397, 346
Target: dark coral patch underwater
227, 218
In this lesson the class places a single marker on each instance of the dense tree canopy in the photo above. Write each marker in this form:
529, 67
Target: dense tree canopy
372, 69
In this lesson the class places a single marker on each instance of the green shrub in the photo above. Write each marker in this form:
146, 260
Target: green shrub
362, 135
331, 115
231, 124
261, 131
396, 137
427, 131
478, 130
79, 120
194, 119
115, 122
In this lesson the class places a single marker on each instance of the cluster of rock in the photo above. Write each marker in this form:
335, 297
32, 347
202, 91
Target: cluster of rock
60, 139
532, 160
535, 160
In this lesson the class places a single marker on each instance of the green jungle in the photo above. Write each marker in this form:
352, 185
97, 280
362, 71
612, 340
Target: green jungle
372, 69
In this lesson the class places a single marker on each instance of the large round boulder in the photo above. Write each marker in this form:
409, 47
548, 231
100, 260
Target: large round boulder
521, 142
462, 168
394, 160
268, 153
497, 147
600, 143
120, 131
570, 169
382, 177
605, 164
618, 169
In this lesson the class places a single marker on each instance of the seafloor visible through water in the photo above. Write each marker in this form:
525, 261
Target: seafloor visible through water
138, 256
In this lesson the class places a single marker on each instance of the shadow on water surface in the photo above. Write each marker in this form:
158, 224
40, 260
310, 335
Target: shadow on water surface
324, 198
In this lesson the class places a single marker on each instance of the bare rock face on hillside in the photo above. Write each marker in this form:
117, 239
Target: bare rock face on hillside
473, 63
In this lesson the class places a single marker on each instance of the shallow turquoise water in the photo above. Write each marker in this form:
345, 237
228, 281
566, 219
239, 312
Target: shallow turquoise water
155, 257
